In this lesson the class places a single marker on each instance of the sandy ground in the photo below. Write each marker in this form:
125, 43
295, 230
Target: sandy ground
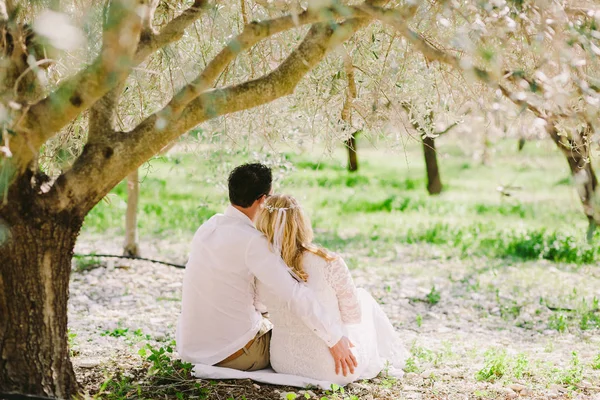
483, 305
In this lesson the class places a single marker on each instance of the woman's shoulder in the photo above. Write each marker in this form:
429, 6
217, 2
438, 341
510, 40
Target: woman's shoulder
323, 257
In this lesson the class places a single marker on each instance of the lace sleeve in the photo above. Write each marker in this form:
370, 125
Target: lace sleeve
339, 278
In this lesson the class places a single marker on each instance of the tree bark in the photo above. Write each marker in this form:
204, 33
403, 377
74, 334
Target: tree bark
133, 194
36, 247
575, 148
352, 155
434, 182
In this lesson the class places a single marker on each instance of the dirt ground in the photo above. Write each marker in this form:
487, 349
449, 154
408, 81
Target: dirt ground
479, 308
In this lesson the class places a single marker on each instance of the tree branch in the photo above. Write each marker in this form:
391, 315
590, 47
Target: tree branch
172, 32
42, 119
351, 93
103, 112
397, 20
130, 150
252, 34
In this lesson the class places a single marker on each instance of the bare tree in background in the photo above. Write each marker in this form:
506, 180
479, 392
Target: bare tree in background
428, 135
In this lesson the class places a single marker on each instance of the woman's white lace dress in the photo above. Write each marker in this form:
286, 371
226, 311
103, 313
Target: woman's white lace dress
296, 350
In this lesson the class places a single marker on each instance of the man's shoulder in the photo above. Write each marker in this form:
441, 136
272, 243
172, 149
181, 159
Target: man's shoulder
222, 224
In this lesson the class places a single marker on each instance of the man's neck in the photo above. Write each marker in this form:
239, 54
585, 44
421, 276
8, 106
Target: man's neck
249, 212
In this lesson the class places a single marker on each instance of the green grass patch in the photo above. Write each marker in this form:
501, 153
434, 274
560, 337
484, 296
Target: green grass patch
382, 206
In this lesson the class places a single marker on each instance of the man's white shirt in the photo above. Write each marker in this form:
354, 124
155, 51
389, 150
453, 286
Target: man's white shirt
218, 315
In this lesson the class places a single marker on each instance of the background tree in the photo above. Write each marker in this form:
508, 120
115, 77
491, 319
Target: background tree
427, 133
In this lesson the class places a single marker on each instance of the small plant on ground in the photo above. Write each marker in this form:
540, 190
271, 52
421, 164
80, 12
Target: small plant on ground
573, 374
422, 353
140, 335
411, 365
162, 363
160, 377
419, 320
521, 366
434, 296
117, 332
86, 263
558, 322
596, 362
590, 315
71, 341
495, 366
336, 392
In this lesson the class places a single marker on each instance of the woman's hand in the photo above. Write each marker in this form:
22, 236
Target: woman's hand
344, 359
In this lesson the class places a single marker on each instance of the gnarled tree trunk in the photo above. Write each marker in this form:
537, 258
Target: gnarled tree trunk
35, 253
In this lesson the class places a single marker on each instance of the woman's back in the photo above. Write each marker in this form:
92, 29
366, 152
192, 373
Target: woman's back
295, 349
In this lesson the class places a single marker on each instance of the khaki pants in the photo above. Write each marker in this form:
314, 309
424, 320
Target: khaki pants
255, 357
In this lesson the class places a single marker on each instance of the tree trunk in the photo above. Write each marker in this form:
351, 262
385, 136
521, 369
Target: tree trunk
586, 184
36, 249
352, 155
576, 151
133, 193
434, 182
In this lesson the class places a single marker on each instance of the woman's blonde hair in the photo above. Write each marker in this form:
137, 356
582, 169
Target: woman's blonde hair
297, 232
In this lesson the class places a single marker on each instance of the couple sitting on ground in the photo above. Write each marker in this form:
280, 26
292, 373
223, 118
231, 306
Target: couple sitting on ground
259, 257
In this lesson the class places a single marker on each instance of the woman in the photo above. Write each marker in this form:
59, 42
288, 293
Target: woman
295, 349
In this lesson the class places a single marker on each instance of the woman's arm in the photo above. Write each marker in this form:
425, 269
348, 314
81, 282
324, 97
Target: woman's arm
339, 278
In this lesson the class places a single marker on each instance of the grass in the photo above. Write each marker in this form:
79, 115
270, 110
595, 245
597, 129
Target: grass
496, 365
382, 206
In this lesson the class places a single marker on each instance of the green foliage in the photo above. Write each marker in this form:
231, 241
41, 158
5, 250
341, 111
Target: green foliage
386, 201
558, 322
162, 363
573, 374
530, 244
71, 340
596, 362
411, 365
86, 263
138, 333
335, 392
419, 319
117, 332
161, 377
434, 296
590, 314
521, 366
496, 365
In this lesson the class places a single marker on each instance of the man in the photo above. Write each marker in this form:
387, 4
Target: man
219, 322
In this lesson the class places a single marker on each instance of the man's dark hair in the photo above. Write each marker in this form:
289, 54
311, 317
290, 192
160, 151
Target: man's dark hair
248, 182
